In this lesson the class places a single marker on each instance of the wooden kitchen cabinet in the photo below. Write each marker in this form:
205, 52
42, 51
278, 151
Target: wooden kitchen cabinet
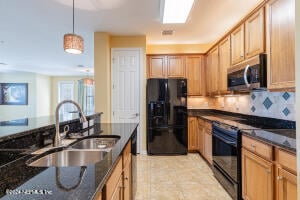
280, 20
127, 180
208, 73
224, 63
192, 134
114, 185
214, 73
195, 74
237, 45
255, 34
207, 142
286, 185
257, 177
156, 66
175, 66
201, 136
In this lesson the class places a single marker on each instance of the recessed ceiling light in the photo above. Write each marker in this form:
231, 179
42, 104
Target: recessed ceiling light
176, 11
1, 63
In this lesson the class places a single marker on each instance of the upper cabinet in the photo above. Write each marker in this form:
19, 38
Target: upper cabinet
166, 67
195, 74
255, 34
156, 66
176, 66
248, 39
237, 45
214, 71
280, 17
224, 63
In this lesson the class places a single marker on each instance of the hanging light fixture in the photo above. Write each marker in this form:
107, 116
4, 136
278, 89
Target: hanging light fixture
87, 81
73, 43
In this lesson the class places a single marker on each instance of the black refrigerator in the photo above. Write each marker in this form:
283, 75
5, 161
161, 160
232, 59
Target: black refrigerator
166, 116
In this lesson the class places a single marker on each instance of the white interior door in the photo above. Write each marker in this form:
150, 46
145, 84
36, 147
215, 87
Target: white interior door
126, 86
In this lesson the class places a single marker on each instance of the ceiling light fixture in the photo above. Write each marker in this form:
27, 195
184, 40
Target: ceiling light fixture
73, 43
176, 11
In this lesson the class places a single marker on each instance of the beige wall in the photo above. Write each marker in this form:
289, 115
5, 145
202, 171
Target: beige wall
39, 87
54, 89
297, 45
103, 43
177, 48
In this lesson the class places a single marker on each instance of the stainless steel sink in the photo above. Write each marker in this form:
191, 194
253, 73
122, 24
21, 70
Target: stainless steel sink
103, 143
69, 157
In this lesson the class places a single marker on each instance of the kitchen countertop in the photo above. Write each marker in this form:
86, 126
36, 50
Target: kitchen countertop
58, 182
284, 138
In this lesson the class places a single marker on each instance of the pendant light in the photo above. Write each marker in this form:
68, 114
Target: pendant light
73, 43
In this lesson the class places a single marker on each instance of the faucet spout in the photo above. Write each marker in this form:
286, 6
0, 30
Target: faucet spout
57, 139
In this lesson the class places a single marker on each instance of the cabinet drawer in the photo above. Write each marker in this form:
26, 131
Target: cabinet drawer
257, 147
126, 153
287, 160
113, 180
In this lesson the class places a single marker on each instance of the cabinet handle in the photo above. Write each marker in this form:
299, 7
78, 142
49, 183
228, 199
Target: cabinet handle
279, 178
268, 171
126, 178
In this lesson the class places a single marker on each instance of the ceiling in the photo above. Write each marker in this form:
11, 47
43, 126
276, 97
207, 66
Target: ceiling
32, 30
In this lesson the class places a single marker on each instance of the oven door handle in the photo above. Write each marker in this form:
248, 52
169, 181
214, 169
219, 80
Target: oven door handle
245, 76
224, 140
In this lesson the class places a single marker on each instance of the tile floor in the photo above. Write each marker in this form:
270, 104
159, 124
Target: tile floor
176, 178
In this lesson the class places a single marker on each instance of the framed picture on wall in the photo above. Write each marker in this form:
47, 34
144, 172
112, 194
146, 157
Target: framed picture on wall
13, 93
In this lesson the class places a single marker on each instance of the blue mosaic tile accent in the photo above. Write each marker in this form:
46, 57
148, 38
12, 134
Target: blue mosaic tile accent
253, 109
253, 96
286, 111
267, 103
286, 143
286, 96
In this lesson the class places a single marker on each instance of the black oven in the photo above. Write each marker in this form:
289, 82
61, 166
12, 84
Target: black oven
227, 158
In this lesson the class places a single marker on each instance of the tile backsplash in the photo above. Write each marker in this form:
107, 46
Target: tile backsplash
280, 105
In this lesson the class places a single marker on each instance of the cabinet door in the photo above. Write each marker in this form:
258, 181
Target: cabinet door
195, 75
208, 74
127, 180
176, 67
257, 177
254, 34
286, 185
215, 71
156, 66
192, 134
237, 45
224, 63
281, 43
201, 136
118, 192
208, 146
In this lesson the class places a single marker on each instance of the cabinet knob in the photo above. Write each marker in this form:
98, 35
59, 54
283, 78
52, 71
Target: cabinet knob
279, 178
126, 178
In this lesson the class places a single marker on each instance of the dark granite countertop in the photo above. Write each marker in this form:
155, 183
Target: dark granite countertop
283, 136
58, 182
16, 128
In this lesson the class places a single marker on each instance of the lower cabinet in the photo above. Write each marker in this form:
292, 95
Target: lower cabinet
117, 195
257, 177
193, 132
114, 185
127, 180
286, 185
201, 135
208, 146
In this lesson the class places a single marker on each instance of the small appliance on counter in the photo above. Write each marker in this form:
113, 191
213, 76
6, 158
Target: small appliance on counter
166, 116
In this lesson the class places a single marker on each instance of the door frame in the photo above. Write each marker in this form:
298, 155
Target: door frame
141, 92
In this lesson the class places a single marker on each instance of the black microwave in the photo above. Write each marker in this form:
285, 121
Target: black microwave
248, 75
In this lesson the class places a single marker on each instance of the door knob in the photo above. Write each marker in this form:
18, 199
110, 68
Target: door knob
137, 114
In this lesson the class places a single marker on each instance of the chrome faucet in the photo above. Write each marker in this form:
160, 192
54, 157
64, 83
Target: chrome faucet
57, 139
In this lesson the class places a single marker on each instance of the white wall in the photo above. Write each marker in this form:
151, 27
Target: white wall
43, 95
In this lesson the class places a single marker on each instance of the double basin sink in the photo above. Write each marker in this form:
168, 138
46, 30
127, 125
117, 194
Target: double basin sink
81, 153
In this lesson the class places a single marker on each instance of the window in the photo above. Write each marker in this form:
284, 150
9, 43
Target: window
66, 91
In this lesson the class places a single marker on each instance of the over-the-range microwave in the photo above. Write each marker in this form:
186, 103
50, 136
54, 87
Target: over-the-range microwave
248, 75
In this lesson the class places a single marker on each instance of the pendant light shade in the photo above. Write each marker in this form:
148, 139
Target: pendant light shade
73, 43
